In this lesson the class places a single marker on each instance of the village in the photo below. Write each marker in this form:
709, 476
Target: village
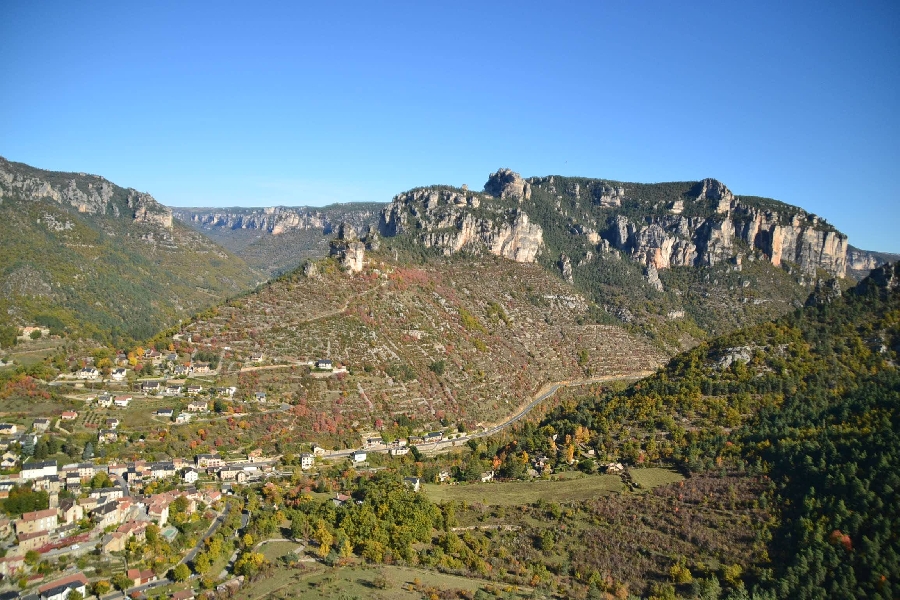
99, 507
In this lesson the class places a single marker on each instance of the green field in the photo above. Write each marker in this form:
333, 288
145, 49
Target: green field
32, 353
275, 550
317, 581
527, 492
652, 477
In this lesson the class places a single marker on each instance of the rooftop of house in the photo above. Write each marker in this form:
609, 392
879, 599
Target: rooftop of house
74, 578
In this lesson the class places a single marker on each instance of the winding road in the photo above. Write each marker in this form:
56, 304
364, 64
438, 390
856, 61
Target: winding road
545, 392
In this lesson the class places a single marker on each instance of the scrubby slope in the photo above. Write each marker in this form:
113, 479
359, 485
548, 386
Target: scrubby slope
459, 339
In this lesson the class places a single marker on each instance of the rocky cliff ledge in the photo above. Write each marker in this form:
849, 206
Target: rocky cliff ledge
679, 240
456, 219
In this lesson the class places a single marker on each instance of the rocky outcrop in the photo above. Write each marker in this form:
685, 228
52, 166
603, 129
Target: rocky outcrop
825, 292
373, 242
884, 280
678, 240
507, 184
448, 219
149, 211
310, 270
565, 266
653, 278
862, 260
349, 250
715, 191
608, 196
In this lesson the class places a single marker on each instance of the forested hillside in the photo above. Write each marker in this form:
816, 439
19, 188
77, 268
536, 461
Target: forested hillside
811, 401
83, 256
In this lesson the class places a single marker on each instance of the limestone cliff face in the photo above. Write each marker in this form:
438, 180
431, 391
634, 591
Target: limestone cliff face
276, 220
89, 194
455, 220
679, 240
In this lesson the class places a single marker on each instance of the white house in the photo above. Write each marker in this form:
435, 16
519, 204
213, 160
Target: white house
9, 460
118, 374
36, 470
358, 456
88, 373
307, 460
190, 476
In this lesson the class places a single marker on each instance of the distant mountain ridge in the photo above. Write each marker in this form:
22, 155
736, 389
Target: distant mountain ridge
83, 255
861, 262
662, 225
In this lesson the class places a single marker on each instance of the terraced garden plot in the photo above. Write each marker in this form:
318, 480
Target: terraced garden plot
497, 330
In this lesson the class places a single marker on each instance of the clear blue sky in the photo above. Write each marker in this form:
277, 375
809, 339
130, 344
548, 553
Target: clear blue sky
222, 104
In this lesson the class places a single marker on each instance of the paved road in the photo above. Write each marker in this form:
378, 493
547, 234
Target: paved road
544, 393
213, 527
120, 481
